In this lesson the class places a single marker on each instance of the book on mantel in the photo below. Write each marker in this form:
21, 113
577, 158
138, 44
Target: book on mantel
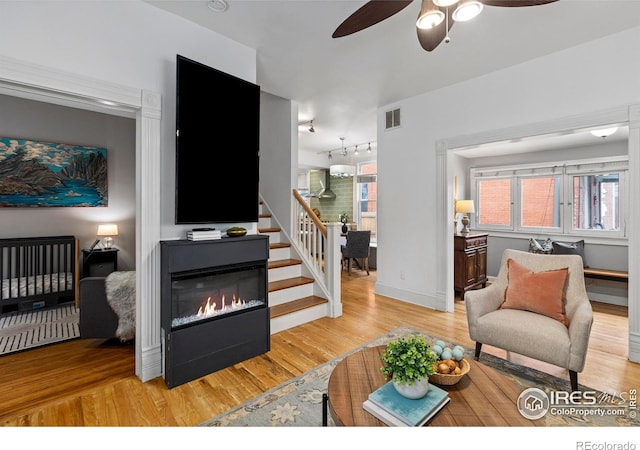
393, 409
195, 235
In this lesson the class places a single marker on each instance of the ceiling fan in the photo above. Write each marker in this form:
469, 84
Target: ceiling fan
434, 21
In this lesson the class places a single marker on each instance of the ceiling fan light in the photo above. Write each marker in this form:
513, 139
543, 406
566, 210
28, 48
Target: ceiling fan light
467, 10
430, 19
445, 3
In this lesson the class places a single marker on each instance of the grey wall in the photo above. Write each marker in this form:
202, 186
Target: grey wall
28, 119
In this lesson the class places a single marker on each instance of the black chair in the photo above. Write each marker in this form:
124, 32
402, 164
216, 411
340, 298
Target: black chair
357, 247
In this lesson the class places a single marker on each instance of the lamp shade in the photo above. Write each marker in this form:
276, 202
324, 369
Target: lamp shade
465, 206
107, 230
342, 170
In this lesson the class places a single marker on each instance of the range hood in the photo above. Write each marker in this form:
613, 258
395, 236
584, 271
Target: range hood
326, 191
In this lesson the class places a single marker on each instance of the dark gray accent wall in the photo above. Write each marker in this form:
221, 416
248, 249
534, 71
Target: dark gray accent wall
29, 119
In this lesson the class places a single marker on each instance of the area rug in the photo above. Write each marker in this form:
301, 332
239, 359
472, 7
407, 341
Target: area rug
298, 402
30, 329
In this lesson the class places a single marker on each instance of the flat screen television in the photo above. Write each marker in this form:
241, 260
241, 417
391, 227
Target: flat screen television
217, 146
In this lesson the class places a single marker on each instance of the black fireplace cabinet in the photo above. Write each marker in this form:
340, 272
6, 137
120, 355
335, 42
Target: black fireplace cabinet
197, 347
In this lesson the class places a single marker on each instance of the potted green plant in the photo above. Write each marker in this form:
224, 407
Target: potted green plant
408, 362
344, 218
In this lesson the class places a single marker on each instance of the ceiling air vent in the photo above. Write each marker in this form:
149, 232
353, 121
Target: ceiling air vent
392, 119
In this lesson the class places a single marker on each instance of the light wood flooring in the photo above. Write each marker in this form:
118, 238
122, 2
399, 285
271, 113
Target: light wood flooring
88, 382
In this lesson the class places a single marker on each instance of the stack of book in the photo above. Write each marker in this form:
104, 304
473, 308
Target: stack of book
203, 235
393, 409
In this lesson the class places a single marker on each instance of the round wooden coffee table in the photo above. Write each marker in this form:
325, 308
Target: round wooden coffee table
484, 397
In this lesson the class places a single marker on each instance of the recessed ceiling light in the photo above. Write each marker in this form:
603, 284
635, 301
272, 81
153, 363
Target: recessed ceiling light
218, 5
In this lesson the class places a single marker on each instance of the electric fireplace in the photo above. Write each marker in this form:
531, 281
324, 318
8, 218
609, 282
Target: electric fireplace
214, 309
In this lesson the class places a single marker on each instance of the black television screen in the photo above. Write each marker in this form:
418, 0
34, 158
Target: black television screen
217, 146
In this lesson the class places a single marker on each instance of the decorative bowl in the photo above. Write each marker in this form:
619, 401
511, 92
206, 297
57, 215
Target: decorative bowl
450, 379
236, 233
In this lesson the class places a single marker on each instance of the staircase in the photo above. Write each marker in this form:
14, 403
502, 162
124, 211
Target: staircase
293, 298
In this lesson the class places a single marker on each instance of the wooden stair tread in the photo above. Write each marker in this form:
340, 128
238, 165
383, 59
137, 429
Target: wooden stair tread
289, 282
264, 216
269, 230
296, 305
284, 263
279, 245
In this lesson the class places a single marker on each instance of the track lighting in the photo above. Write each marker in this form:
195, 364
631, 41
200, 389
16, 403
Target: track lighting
311, 129
345, 151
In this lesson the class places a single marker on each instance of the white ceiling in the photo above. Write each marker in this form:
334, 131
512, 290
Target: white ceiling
340, 83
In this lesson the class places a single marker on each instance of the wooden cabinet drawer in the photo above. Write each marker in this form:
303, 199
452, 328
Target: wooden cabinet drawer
475, 243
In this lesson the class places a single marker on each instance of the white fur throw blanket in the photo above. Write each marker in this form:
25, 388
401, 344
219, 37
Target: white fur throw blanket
121, 295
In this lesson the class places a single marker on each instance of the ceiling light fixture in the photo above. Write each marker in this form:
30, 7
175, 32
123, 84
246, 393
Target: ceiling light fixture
307, 122
218, 6
467, 10
445, 3
429, 18
604, 132
345, 151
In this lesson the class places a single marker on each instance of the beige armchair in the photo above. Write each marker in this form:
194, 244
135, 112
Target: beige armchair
531, 334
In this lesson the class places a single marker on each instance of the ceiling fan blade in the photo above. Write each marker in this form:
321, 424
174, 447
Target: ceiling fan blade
370, 14
516, 3
430, 38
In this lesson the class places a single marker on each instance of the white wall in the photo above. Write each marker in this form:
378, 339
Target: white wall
278, 155
561, 85
129, 43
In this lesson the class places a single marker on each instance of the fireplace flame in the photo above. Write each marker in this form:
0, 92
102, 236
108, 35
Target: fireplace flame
208, 308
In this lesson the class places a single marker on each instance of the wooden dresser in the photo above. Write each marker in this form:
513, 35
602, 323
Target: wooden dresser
469, 261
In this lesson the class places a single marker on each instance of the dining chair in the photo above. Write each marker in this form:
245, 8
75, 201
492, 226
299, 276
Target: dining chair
357, 247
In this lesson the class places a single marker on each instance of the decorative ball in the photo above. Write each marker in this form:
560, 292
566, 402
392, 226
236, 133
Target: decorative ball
446, 354
459, 347
441, 344
457, 354
437, 349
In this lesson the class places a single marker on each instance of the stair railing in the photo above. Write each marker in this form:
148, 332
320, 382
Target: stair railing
319, 245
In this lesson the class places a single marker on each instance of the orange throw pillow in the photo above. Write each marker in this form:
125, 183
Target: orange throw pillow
539, 292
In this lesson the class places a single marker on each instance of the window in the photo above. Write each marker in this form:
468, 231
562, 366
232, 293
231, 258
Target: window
596, 202
494, 203
367, 208
584, 197
540, 202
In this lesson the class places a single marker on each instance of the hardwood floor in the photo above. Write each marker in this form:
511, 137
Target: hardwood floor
88, 382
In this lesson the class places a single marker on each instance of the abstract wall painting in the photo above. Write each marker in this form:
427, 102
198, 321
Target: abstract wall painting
35, 174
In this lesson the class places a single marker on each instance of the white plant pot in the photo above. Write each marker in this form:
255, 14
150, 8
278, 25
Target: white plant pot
413, 391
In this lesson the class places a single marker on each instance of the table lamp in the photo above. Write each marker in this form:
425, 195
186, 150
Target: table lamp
465, 207
107, 230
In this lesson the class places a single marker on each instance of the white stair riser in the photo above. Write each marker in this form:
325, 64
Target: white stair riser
289, 294
276, 254
264, 222
298, 318
274, 238
282, 273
